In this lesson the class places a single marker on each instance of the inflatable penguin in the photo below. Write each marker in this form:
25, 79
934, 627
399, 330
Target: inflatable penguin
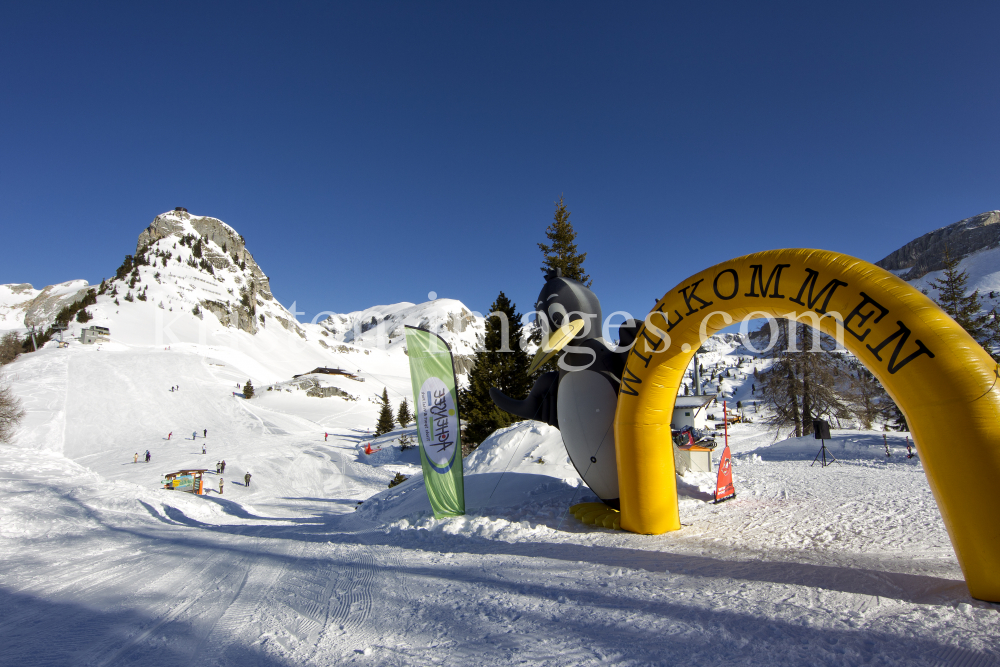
580, 398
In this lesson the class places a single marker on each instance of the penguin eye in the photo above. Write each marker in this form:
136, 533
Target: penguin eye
557, 314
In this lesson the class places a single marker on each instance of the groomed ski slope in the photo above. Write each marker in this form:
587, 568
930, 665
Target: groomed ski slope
838, 566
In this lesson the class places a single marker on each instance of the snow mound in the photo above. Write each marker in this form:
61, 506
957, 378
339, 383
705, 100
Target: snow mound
520, 473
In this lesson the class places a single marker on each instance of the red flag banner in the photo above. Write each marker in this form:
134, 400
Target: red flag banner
724, 489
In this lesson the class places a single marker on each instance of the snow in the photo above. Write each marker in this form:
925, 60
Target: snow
318, 562
846, 564
981, 270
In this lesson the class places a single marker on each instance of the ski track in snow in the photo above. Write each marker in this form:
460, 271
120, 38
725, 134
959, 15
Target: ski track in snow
843, 565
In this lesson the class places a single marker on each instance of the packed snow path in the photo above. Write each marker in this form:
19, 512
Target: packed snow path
844, 565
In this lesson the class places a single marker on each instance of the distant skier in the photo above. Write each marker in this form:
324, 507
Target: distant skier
325, 436
246, 480
169, 434
220, 486
148, 456
218, 467
223, 466
206, 433
203, 450
135, 459
194, 435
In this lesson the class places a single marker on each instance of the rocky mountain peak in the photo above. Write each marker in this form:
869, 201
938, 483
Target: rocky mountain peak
179, 222
962, 238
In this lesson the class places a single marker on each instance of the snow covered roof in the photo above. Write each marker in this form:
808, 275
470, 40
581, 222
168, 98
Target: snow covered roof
688, 402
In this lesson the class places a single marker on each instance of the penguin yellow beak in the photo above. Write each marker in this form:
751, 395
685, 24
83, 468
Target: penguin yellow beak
557, 341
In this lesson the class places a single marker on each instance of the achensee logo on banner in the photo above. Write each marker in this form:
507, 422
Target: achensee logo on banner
438, 423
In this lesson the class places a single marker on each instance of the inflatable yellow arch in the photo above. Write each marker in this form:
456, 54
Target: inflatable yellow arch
944, 382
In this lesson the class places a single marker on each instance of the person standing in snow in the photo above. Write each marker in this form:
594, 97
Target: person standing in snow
194, 435
246, 480
325, 436
148, 456
135, 459
169, 434
220, 486
223, 471
203, 450
206, 433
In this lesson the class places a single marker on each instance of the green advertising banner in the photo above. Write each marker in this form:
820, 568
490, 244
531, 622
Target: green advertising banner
435, 401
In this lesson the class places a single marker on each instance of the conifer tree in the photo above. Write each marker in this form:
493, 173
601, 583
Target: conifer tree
248, 390
494, 367
403, 416
386, 422
562, 253
966, 308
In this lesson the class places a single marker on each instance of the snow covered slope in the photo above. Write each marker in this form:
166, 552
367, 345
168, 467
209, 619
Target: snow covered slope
382, 327
318, 562
193, 283
843, 565
22, 306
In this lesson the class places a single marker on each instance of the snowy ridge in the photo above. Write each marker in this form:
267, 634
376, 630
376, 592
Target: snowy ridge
383, 327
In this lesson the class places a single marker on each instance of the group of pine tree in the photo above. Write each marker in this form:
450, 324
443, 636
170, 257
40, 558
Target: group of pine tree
807, 378
503, 362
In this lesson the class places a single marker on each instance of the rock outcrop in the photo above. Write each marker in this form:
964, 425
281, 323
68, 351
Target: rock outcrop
210, 229
926, 253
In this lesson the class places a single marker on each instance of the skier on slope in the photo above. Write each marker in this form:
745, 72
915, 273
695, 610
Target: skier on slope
220, 486
325, 436
169, 434
135, 459
203, 450
206, 433
194, 435
246, 480
148, 456
223, 471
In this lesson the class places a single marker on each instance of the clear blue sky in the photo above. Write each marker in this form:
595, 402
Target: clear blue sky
372, 152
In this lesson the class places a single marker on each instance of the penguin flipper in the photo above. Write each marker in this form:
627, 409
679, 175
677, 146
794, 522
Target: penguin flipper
540, 403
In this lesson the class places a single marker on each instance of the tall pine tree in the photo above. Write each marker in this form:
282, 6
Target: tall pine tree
966, 309
562, 253
507, 371
386, 422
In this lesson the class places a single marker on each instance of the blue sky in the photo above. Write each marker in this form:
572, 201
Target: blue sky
373, 152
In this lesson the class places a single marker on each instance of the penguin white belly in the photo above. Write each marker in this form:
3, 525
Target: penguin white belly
586, 407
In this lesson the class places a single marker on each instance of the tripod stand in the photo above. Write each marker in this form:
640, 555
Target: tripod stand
822, 452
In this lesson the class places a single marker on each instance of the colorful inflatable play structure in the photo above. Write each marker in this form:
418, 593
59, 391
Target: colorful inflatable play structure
944, 382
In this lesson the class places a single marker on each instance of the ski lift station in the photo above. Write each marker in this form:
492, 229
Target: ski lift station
691, 411
91, 335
